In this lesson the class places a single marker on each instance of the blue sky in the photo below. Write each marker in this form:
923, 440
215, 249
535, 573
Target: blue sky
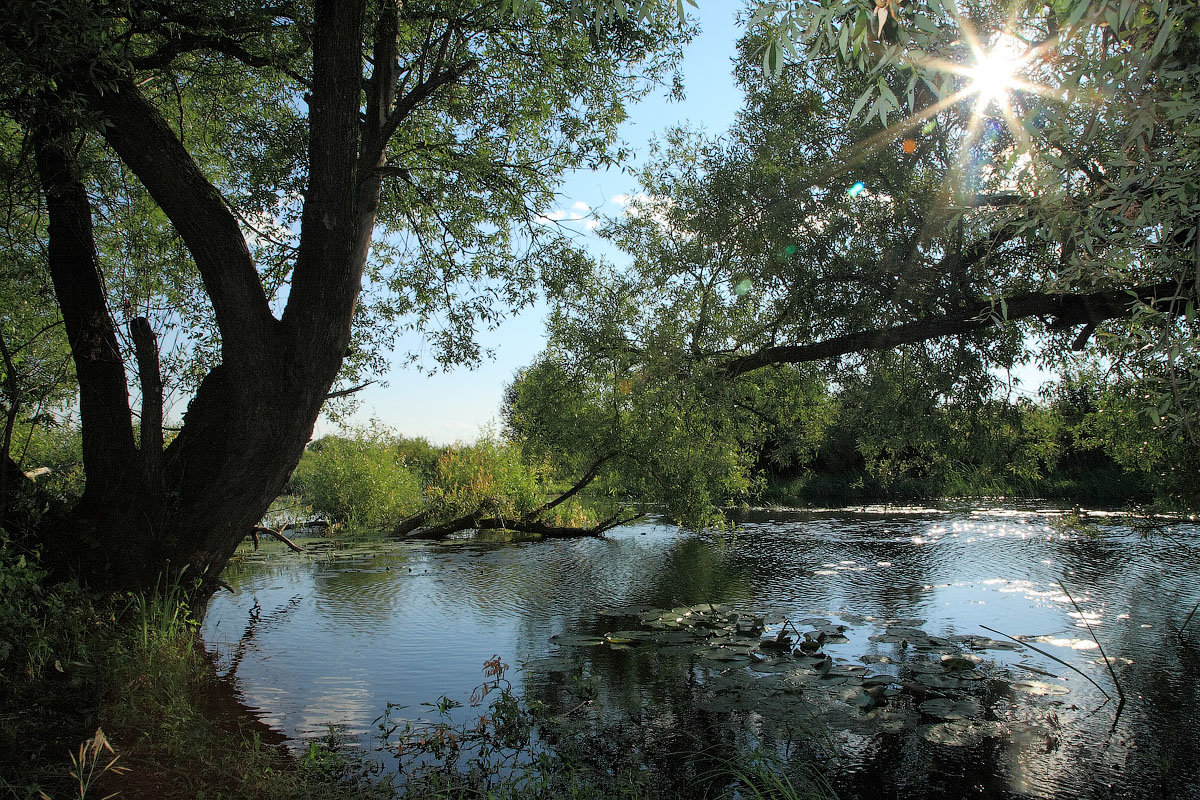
455, 406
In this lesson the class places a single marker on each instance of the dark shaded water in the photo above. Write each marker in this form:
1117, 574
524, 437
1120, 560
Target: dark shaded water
333, 636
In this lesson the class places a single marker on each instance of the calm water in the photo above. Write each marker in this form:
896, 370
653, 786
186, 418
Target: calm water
332, 636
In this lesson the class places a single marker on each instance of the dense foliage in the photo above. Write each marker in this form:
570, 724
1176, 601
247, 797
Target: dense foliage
956, 229
371, 479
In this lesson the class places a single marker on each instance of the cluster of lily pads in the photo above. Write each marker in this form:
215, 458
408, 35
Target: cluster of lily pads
787, 671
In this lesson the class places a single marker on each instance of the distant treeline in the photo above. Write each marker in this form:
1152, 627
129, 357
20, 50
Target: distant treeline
1066, 449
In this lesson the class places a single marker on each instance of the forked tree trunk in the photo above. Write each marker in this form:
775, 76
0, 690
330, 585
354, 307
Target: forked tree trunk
182, 511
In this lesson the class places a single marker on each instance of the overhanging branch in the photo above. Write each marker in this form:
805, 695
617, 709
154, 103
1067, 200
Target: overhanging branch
1062, 309
348, 392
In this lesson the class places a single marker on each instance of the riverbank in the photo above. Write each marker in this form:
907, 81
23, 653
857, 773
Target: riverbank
107, 695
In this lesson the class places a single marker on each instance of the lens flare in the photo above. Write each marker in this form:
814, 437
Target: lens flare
994, 74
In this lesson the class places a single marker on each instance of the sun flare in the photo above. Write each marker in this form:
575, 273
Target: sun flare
994, 74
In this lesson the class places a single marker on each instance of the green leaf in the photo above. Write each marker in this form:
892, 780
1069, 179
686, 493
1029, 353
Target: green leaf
1080, 9
886, 93
863, 99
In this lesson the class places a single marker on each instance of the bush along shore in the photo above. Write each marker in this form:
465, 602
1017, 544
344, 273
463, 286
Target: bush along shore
115, 696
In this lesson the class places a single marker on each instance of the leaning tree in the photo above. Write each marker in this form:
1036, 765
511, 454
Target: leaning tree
947, 188
231, 174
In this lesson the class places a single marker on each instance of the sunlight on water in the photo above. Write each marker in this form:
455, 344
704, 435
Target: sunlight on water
332, 636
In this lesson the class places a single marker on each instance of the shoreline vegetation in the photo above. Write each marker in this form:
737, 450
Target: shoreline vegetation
370, 479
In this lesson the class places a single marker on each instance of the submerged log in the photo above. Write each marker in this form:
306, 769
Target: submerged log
519, 525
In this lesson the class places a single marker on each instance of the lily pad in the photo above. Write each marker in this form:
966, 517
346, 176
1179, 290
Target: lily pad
960, 661
906, 633
551, 664
577, 640
962, 733
889, 718
940, 681
905, 623
723, 654
615, 640
924, 667
947, 708
627, 611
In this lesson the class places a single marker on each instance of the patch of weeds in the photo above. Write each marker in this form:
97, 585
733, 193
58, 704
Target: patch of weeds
1075, 522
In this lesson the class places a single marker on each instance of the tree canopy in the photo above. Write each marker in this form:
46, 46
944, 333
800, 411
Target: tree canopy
239, 205
203, 189
878, 195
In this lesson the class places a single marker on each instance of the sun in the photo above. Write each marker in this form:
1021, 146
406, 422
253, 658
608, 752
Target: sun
995, 72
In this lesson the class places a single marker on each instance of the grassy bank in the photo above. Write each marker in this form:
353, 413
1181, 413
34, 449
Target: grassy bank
117, 694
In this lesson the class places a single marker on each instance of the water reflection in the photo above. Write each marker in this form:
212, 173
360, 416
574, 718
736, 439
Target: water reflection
332, 636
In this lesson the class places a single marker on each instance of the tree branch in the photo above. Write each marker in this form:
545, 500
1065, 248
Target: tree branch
190, 41
146, 143
150, 377
14, 405
523, 525
339, 213
1064, 310
108, 447
257, 529
348, 392
579, 485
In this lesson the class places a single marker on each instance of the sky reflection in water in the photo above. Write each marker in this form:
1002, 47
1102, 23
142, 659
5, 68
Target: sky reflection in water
333, 636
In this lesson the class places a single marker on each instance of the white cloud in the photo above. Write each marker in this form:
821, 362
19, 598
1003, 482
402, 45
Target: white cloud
624, 200
581, 206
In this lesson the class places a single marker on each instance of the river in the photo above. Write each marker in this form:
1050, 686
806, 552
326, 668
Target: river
920, 606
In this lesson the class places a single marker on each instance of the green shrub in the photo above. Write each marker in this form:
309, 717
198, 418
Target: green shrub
39, 628
492, 479
58, 448
360, 480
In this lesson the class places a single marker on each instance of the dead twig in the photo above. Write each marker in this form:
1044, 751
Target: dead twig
1183, 627
1052, 657
1107, 663
257, 529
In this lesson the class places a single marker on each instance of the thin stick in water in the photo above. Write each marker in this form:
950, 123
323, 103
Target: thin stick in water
1107, 663
1052, 657
1189, 619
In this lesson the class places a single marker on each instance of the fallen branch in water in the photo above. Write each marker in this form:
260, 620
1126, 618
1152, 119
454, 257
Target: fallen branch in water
257, 529
410, 529
1183, 627
1107, 663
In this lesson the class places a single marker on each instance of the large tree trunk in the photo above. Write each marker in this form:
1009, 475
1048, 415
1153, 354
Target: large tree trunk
182, 511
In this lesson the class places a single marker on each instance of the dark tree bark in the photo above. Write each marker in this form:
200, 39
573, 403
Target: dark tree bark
108, 446
150, 377
184, 509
